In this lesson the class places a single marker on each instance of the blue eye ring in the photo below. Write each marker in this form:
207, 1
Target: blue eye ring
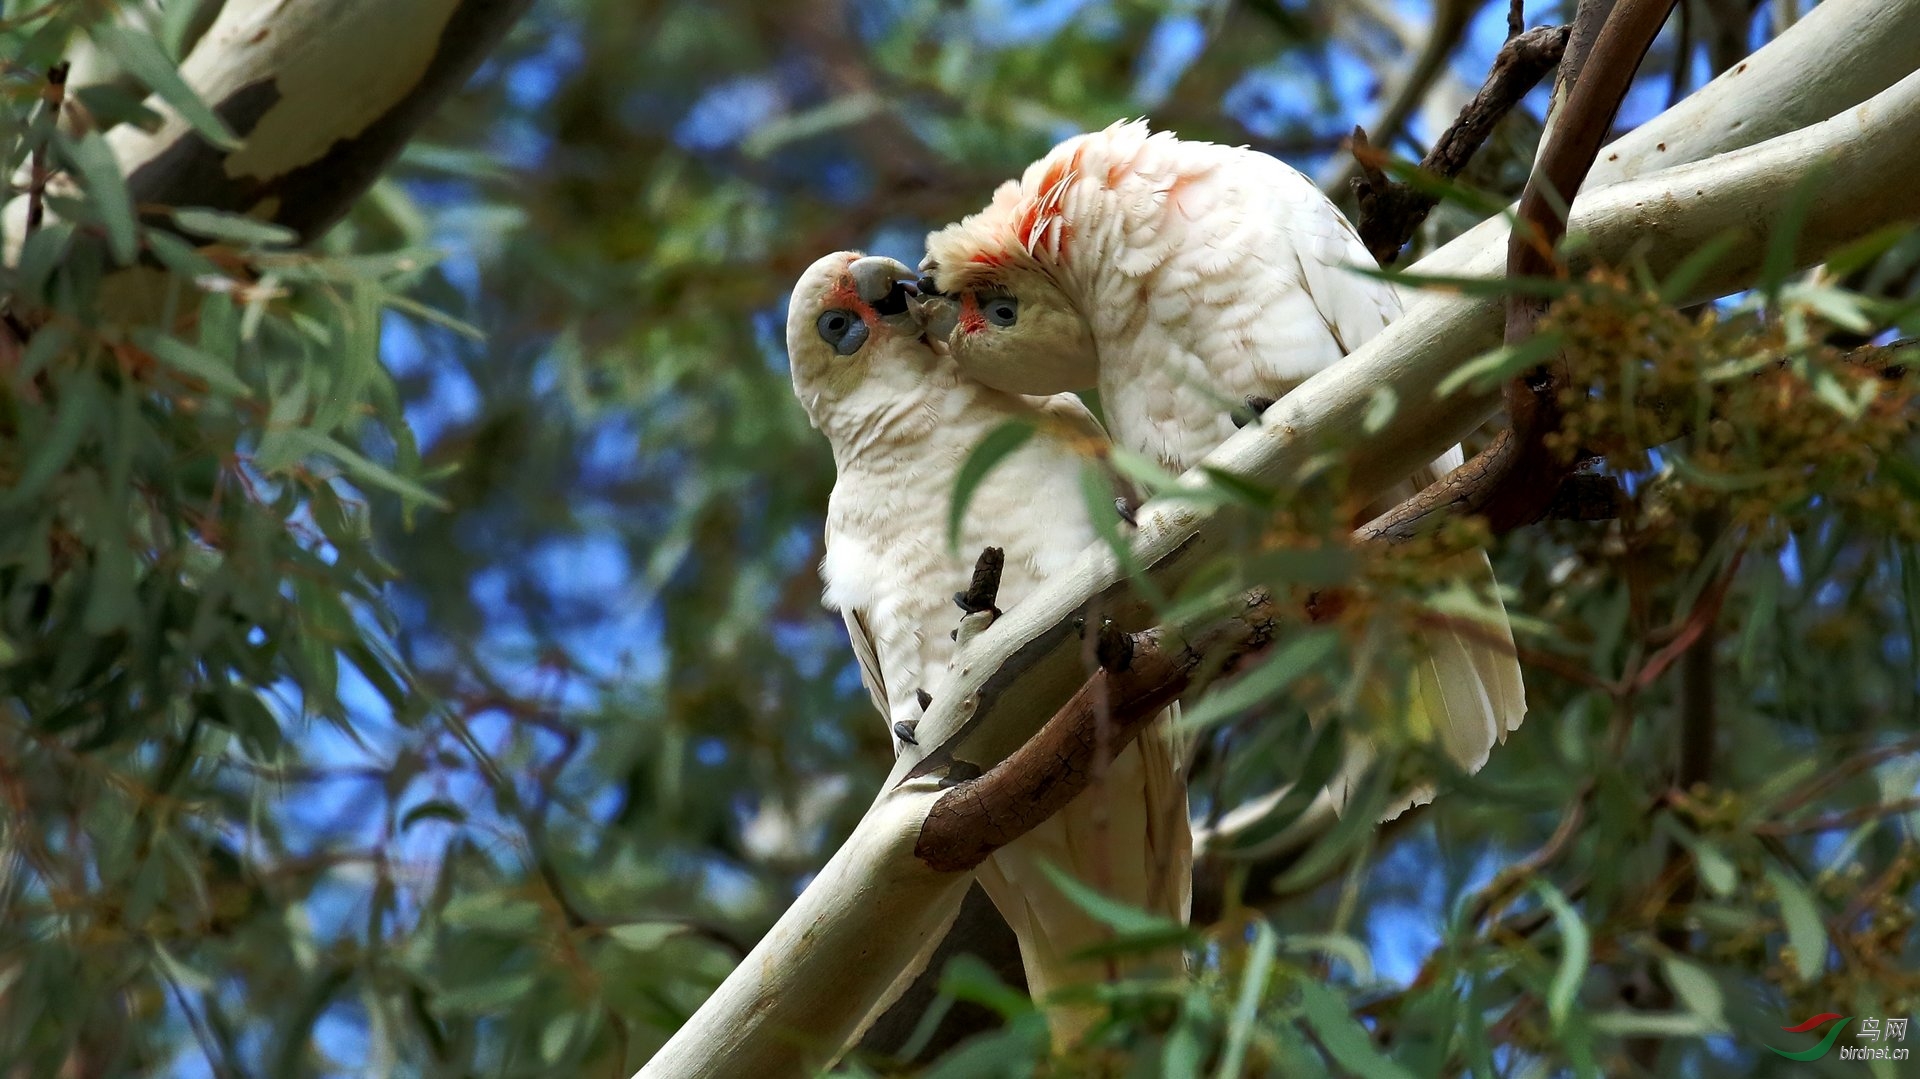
842, 329
1000, 310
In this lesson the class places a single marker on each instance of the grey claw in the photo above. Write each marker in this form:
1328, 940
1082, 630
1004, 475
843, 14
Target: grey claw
903, 730
1124, 507
1256, 407
925, 698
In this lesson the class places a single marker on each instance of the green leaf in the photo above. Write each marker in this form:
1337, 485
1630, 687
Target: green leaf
1650, 1024
645, 936
1246, 1008
110, 199
1862, 252
1697, 989
181, 257
1575, 948
1345, 1039
998, 444
189, 360
558, 1036
1715, 868
79, 397
1299, 655
1120, 917
1380, 410
1806, 931
486, 996
1785, 240
1680, 282
179, 972
968, 978
361, 470
1497, 366
236, 229
1338, 945
1144, 471
492, 912
145, 60
1542, 287
1014, 1050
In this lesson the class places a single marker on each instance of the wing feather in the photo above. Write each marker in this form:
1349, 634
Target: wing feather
869, 660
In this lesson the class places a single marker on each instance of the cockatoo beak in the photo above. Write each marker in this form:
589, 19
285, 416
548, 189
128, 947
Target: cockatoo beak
875, 278
940, 314
891, 289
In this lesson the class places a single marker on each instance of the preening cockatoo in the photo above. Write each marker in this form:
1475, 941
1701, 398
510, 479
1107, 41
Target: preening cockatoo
902, 419
1179, 277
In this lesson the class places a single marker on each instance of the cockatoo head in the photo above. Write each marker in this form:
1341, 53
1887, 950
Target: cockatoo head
994, 289
856, 339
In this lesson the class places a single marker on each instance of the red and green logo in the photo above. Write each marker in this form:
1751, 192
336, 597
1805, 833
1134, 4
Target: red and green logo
1825, 1044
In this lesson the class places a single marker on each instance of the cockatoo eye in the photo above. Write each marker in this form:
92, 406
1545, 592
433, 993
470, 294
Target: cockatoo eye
1000, 310
843, 330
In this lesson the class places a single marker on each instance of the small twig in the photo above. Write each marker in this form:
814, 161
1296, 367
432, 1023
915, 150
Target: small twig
1847, 769
1390, 212
1516, 18
1832, 822
1448, 21
1699, 712
1513, 480
1699, 623
980, 815
56, 99
1507, 884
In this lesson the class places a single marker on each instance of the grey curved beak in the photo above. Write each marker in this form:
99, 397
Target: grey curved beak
875, 278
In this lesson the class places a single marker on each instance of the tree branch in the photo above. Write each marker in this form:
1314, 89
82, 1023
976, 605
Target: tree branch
323, 94
1449, 21
1832, 60
1390, 212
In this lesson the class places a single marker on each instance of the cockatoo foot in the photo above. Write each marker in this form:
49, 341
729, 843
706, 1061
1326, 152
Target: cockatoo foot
1256, 407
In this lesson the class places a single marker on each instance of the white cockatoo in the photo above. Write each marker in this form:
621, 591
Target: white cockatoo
1177, 277
902, 419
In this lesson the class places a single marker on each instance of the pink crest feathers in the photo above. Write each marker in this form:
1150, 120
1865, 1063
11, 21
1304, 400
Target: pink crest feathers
1030, 220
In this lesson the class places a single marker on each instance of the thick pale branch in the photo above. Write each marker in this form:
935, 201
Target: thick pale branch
1842, 53
323, 94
